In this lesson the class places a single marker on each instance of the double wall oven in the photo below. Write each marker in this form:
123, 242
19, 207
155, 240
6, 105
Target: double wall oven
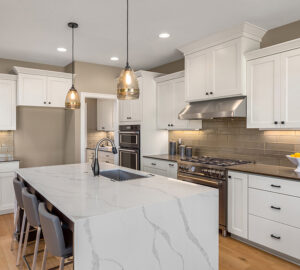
129, 151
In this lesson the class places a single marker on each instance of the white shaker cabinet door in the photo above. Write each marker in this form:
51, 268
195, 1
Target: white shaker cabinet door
238, 204
178, 104
290, 89
197, 75
57, 89
263, 92
226, 70
32, 90
6, 192
164, 104
105, 114
7, 105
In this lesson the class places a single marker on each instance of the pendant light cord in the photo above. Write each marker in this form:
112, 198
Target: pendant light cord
127, 64
72, 57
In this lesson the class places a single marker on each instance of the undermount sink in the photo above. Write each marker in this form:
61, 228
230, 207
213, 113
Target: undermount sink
120, 175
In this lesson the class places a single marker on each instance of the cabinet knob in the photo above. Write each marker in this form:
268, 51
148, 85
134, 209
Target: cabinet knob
275, 122
169, 125
206, 93
49, 102
102, 127
128, 117
45, 102
211, 93
172, 125
229, 176
282, 122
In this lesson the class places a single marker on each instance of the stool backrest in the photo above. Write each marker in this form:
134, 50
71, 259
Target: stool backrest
18, 185
52, 231
31, 205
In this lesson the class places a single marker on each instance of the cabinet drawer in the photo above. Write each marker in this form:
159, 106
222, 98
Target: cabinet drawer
277, 207
283, 186
155, 163
10, 166
274, 235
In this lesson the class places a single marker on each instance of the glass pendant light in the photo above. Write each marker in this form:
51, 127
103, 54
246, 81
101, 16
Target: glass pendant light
128, 87
72, 99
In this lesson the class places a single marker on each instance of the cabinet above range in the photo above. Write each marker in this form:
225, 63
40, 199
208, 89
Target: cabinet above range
215, 67
42, 88
170, 101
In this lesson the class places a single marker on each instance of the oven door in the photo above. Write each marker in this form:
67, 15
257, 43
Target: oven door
214, 183
129, 158
130, 139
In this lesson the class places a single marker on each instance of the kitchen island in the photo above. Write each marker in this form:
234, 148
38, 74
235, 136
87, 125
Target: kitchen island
143, 224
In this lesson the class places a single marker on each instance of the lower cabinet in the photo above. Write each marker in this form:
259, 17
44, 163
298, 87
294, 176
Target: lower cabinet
238, 204
160, 167
103, 156
7, 195
265, 210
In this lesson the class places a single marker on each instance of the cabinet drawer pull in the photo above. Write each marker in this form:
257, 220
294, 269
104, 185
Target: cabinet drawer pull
276, 208
128, 117
275, 237
171, 165
154, 164
275, 186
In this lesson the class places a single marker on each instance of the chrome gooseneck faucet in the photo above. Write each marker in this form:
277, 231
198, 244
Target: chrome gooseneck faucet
95, 166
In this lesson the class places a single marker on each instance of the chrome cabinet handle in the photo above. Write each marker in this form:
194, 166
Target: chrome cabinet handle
276, 208
275, 236
275, 186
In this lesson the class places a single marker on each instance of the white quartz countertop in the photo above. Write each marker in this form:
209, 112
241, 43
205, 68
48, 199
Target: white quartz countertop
78, 194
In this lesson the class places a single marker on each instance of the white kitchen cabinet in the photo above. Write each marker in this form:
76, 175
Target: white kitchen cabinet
57, 89
105, 115
170, 101
7, 102
215, 66
263, 90
273, 87
42, 87
238, 204
160, 167
7, 197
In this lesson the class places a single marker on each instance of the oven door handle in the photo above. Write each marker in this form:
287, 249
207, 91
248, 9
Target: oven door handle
129, 132
128, 150
200, 180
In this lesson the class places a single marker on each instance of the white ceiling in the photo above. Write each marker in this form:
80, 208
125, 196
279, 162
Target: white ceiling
31, 30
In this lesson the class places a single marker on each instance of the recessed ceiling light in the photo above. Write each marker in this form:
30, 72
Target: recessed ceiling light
164, 35
114, 58
61, 49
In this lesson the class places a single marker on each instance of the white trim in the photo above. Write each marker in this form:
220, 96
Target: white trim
33, 71
8, 77
246, 30
83, 124
172, 76
275, 49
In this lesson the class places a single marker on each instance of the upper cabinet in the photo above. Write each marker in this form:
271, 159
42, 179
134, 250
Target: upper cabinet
105, 114
273, 87
42, 87
130, 110
170, 101
7, 102
215, 67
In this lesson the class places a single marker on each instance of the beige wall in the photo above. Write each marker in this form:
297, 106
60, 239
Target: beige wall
281, 34
91, 113
170, 67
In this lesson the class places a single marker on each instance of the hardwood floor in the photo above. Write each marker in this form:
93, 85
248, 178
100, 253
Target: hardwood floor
234, 255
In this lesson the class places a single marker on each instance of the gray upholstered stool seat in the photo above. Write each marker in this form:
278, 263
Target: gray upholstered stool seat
31, 204
18, 185
58, 240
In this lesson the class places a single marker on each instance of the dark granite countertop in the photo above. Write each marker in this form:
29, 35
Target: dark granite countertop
166, 157
268, 170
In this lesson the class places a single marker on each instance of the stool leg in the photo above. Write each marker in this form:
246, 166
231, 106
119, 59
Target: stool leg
26, 239
44, 258
61, 263
16, 219
21, 239
36, 248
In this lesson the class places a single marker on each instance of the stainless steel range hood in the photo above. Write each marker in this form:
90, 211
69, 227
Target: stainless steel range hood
217, 108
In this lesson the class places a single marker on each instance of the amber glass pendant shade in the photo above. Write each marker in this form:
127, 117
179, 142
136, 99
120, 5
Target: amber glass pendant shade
72, 99
128, 87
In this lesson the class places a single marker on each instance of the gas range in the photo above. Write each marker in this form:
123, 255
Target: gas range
208, 166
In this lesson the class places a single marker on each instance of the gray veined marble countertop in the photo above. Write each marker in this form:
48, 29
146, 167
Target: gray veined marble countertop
78, 194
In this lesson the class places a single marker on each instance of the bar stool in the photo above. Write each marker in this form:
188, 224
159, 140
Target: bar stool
31, 204
58, 241
18, 185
